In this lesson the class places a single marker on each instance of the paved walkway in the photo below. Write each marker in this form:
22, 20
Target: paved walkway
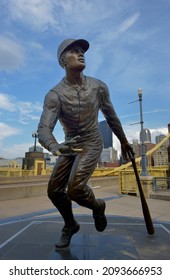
30, 226
117, 205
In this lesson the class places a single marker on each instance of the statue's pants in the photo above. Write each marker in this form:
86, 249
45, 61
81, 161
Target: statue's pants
69, 178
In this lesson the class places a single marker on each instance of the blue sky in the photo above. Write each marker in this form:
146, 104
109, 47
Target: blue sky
129, 48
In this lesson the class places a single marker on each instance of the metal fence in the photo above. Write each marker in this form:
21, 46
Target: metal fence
161, 183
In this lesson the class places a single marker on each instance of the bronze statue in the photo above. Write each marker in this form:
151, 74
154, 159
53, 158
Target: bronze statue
75, 101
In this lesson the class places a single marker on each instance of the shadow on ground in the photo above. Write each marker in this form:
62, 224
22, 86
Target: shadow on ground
124, 239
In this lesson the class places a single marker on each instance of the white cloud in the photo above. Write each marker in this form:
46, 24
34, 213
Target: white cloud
35, 13
36, 51
127, 23
64, 16
127, 51
15, 150
158, 131
6, 102
11, 54
28, 107
7, 131
27, 111
24, 111
67, 17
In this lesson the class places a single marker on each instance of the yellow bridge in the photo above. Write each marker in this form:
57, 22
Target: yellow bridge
115, 171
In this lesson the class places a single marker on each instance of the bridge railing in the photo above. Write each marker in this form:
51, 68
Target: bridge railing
128, 184
161, 183
18, 172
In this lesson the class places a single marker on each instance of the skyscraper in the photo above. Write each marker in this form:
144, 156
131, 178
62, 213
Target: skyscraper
169, 131
106, 134
159, 138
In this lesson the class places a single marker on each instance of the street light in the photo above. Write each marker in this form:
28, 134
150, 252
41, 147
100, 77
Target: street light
35, 135
143, 153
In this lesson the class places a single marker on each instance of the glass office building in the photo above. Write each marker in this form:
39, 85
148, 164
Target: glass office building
106, 134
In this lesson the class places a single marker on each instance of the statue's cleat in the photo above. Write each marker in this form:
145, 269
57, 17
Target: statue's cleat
67, 233
99, 216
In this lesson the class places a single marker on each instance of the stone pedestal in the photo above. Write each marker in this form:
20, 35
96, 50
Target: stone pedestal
147, 185
34, 161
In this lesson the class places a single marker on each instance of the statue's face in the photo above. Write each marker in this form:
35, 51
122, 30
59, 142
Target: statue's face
74, 58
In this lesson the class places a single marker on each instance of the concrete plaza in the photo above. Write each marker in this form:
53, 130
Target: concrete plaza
30, 226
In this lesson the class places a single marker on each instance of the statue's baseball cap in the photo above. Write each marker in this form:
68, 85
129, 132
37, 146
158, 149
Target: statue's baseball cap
68, 43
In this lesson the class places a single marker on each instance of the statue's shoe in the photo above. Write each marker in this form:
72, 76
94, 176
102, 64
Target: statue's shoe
99, 216
67, 233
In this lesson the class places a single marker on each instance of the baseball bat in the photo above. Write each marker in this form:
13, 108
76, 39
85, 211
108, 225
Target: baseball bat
145, 209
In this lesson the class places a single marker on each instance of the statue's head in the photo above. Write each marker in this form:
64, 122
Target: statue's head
69, 43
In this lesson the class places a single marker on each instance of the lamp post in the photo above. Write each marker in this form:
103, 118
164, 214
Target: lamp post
143, 153
35, 136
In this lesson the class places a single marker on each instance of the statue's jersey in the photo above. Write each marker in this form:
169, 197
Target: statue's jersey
77, 108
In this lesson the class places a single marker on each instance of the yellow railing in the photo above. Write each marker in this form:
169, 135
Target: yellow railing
18, 172
127, 180
116, 170
160, 171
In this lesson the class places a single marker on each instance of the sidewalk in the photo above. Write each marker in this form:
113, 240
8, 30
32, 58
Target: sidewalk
30, 226
117, 205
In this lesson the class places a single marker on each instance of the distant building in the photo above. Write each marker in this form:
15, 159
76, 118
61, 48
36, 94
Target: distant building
135, 146
38, 149
169, 132
161, 154
137, 149
106, 134
159, 138
108, 155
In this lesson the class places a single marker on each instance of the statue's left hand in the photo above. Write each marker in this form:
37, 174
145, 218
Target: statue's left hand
127, 151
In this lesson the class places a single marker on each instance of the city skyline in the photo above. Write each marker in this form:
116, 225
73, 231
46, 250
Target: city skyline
129, 49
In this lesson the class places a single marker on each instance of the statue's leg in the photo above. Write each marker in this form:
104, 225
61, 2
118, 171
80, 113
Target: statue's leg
58, 195
78, 189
